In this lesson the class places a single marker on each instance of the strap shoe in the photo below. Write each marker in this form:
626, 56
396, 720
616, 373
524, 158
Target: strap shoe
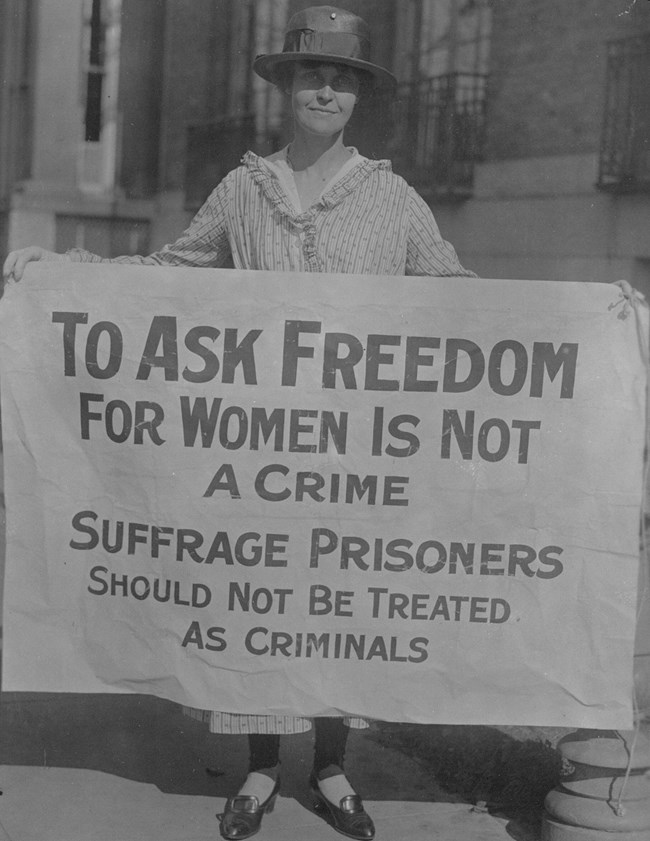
349, 817
243, 814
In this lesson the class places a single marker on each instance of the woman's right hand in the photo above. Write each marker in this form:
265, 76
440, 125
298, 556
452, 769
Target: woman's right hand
15, 263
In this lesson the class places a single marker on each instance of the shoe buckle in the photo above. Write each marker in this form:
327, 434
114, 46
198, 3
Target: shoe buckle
244, 803
351, 803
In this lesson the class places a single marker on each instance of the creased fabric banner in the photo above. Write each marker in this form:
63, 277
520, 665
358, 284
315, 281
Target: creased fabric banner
410, 499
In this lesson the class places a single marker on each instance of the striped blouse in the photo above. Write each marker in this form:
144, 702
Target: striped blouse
366, 221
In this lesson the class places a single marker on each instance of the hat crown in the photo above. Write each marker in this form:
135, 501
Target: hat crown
329, 19
326, 34
328, 31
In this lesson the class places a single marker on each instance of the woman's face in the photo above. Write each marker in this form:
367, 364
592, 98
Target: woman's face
323, 97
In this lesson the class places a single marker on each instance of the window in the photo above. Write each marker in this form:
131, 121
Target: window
625, 144
96, 52
100, 55
251, 115
438, 135
16, 89
213, 149
443, 46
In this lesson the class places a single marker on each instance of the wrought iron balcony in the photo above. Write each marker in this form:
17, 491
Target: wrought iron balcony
438, 133
625, 142
213, 149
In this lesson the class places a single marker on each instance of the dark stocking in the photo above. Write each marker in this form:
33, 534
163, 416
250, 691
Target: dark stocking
264, 753
330, 738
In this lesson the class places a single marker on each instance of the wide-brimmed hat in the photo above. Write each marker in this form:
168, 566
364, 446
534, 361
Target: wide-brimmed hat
325, 34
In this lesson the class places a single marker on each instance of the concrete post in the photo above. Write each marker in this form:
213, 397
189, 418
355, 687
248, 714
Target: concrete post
605, 789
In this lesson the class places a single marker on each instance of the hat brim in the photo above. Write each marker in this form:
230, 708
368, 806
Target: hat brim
267, 66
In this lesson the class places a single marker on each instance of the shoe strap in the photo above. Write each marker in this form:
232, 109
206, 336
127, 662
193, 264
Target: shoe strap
244, 803
352, 803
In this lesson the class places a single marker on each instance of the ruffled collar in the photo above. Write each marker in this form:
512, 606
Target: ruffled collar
266, 178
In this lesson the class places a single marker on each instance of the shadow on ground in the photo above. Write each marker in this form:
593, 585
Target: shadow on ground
509, 777
147, 739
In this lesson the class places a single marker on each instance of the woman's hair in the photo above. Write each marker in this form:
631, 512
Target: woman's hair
284, 75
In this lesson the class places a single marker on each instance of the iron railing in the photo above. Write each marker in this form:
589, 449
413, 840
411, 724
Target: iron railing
625, 141
438, 131
213, 149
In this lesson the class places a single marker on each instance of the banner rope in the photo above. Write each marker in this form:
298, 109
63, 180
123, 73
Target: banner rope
633, 301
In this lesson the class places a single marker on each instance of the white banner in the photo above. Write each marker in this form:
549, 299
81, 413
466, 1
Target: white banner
411, 499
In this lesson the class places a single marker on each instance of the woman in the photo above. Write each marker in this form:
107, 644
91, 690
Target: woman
315, 206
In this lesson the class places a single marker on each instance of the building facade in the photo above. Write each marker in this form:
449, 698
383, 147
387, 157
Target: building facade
524, 124
562, 190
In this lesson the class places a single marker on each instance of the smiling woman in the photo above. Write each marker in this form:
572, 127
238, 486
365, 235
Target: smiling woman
315, 206
323, 97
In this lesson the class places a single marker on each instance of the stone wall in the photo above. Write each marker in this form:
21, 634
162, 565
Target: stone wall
547, 75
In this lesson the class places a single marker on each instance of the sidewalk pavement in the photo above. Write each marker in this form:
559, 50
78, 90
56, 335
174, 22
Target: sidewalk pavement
133, 768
